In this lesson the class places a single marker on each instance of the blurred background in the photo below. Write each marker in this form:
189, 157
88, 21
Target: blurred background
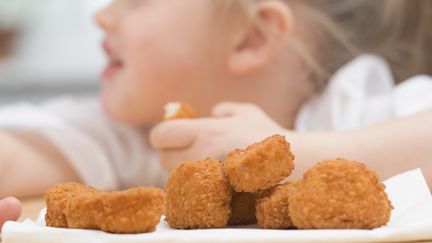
49, 48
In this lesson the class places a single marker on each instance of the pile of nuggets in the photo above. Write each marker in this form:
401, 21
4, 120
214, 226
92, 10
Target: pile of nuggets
249, 187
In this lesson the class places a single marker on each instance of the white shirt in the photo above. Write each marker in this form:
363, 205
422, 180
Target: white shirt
109, 155
105, 154
363, 93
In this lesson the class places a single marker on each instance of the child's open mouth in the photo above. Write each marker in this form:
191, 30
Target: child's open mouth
114, 62
111, 69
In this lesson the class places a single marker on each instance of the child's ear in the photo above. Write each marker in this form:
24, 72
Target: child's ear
263, 38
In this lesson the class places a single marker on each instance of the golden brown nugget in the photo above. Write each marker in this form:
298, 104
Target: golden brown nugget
272, 208
178, 110
56, 198
260, 166
198, 196
339, 194
243, 208
136, 210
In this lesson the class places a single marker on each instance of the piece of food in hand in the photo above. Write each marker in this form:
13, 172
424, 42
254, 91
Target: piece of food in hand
198, 196
178, 110
243, 208
73, 205
56, 199
260, 166
272, 208
339, 194
137, 210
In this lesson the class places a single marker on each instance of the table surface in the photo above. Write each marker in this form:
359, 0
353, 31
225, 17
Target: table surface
32, 207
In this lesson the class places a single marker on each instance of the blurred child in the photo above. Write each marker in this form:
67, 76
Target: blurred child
290, 59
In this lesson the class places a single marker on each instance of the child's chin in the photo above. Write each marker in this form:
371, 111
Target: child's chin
122, 116
110, 107
117, 116
112, 111
126, 115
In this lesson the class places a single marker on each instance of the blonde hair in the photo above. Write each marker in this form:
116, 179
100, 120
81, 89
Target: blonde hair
397, 30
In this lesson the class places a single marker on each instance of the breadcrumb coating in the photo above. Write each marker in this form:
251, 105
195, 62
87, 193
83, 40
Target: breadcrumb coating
272, 208
179, 110
198, 196
56, 199
136, 210
73, 205
339, 194
260, 166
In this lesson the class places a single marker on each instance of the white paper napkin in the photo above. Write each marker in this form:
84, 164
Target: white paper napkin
411, 220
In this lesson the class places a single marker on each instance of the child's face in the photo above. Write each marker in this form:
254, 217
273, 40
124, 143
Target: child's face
159, 51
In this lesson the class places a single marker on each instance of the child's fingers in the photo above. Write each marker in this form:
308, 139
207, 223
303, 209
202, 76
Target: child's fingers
178, 134
231, 109
172, 135
10, 209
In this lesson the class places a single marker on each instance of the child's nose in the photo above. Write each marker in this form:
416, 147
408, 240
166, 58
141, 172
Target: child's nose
105, 19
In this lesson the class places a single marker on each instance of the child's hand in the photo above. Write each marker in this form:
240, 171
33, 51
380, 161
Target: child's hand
233, 125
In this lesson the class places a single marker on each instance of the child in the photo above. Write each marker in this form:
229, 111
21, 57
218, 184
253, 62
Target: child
273, 54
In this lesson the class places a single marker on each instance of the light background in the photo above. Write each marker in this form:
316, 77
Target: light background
57, 50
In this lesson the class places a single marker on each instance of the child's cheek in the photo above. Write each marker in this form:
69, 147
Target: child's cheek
158, 65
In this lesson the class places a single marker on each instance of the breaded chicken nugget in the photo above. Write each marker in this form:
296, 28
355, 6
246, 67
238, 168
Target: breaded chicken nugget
243, 208
339, 194
136, 210
178, 110
260, 166
272, 208
56, 199
198, 196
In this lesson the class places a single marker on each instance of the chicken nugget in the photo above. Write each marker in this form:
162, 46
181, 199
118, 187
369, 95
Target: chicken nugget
243, 208
339, 194
178, 110
136, 210
272, 208
198, 196
260, 166
56, 198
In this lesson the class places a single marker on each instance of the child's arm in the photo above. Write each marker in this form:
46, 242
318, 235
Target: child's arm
29, 165
389, 148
